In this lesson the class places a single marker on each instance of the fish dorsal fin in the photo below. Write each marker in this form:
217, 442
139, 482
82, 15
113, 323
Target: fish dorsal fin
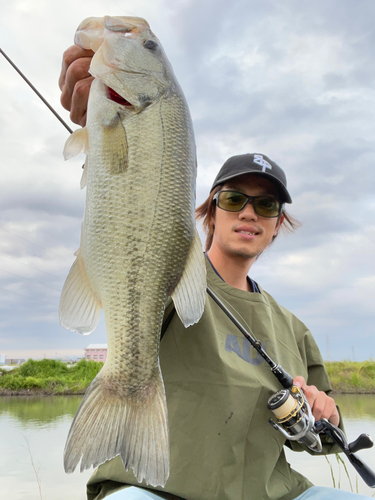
79, 309
77, 143
190, 293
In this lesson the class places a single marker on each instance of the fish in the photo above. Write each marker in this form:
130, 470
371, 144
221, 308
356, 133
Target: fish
139, 244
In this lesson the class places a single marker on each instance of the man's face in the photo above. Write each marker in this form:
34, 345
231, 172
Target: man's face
244, 235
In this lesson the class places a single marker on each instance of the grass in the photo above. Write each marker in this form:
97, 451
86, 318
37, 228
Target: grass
49, 376
352, 377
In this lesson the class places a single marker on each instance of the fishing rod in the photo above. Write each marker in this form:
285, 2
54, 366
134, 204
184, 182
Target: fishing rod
293, 413
36, 91
290, 407
282, 376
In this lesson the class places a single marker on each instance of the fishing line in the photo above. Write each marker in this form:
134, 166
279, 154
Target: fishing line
229, 305
282, 375
36, 244
27, 296
28, 279
28, 265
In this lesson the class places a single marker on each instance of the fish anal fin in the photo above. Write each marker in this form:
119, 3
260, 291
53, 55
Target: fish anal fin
79, 309
190, 293
77, 142
136, 428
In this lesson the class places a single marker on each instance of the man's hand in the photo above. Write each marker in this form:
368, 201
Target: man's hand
75, 82
322, 406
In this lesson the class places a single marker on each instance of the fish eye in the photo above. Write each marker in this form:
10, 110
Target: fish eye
150, 44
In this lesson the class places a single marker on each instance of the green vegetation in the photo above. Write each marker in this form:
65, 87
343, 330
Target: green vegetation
49, 376
352, 377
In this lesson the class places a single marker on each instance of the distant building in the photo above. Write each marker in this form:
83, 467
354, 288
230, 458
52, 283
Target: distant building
15, 361
66, 360
2, 359
96, 352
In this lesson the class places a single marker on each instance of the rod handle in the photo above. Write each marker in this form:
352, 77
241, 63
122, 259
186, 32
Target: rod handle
282, 376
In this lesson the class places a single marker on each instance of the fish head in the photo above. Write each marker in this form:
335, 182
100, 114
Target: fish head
128, 58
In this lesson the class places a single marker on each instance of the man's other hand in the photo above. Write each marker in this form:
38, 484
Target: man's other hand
75, 82
322, 406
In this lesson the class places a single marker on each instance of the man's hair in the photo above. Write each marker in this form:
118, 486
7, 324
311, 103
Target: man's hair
206, 211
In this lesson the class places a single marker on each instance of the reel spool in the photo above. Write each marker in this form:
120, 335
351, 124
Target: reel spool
294, 418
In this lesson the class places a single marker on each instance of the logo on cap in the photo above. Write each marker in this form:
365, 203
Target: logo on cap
262, 162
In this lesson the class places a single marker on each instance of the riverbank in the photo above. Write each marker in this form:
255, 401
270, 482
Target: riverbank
352, 377
50, 377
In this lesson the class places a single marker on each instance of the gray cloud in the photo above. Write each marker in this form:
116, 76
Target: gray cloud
292, 80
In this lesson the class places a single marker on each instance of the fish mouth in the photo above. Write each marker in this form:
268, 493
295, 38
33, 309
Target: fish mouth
114, 96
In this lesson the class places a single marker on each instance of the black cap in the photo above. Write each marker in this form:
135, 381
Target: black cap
255, 163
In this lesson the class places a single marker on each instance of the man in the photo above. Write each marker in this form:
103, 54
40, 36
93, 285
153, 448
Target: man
222, 446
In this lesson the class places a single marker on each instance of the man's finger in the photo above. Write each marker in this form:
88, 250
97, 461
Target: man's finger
77, 71
70, 55
299, 382
79, 101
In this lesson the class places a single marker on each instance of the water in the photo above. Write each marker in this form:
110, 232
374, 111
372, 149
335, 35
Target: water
358, 411
42, 425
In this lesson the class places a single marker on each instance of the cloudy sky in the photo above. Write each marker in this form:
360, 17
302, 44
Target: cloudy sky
291, 79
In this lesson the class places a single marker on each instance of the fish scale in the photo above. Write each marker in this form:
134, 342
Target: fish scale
139, 245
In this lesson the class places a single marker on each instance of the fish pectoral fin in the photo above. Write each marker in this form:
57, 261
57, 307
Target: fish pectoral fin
115, 145
190, 293
77, 143
110, 423
79, 309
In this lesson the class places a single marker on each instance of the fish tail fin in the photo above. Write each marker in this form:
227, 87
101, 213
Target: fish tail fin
108, 424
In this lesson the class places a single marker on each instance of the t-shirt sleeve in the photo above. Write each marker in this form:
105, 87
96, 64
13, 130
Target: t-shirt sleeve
317, 375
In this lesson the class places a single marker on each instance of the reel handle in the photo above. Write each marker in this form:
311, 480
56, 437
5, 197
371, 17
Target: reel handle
361, 443
338, 437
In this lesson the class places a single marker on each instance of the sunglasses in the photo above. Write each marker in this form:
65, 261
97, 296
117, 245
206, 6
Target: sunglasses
233, 201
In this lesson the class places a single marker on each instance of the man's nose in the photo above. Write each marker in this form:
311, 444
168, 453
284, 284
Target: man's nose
248, 213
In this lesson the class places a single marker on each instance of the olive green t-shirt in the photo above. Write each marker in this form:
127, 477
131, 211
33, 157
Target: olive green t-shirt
217, 387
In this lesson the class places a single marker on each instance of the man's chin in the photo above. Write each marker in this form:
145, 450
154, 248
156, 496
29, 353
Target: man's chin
245, 254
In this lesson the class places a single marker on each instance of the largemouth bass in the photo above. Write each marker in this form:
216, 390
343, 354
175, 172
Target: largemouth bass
139, 245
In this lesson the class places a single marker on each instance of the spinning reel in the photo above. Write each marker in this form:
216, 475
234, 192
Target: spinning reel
294, 418
293, 413
296, 423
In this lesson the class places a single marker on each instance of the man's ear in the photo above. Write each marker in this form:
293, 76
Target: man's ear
279, 222
212, 220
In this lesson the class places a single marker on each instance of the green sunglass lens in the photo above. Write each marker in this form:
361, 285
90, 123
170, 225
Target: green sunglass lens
268, 207
231, 201
265, 206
